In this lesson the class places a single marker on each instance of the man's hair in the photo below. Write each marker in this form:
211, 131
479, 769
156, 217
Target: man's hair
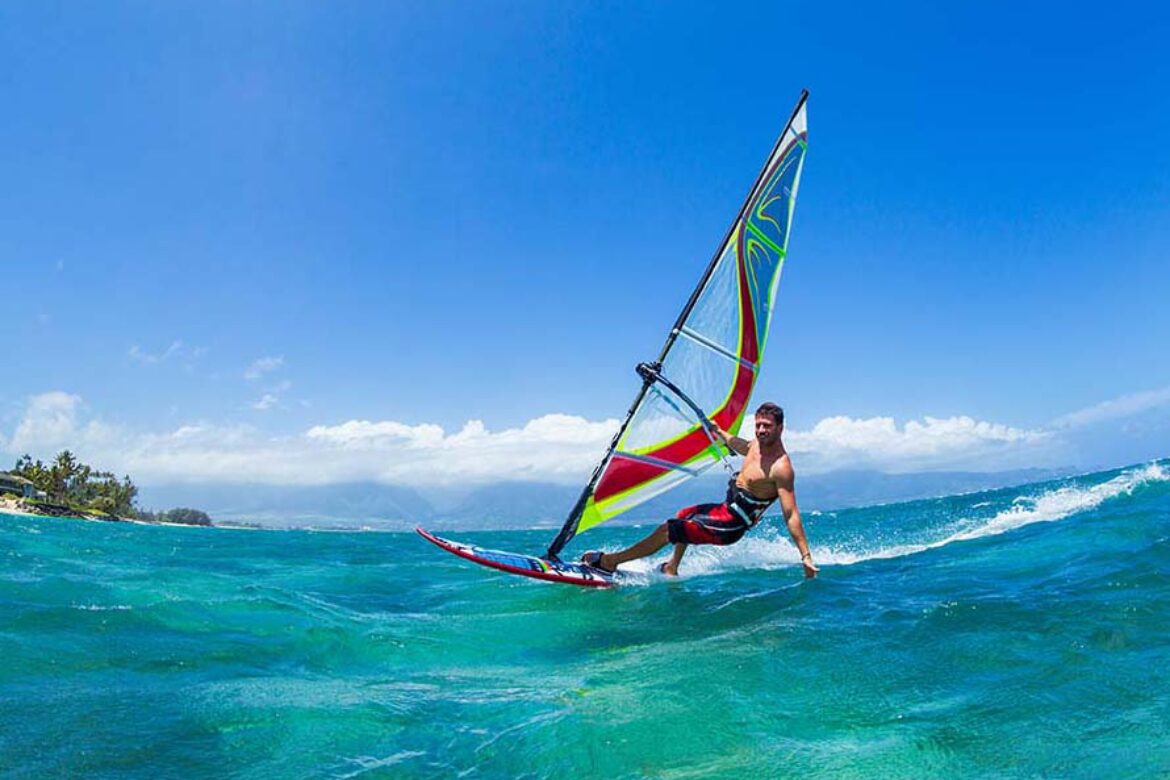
773, 411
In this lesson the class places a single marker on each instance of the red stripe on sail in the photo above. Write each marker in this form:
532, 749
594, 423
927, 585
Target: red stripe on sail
622, 474
749, 350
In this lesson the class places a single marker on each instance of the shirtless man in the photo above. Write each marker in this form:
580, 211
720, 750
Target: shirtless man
766, 475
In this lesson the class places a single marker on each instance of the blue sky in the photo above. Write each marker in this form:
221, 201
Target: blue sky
300, 242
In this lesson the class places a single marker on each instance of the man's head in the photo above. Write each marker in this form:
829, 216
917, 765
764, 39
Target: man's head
769, 423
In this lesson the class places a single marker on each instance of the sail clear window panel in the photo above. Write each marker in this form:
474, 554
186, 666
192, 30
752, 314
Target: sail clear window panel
704, 374
657, 420
716, 314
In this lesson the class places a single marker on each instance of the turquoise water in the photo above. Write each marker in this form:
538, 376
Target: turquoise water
1013, 633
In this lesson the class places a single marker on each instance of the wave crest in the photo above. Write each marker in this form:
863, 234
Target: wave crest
772, 549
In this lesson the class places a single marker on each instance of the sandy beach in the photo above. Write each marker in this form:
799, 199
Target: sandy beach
16, 507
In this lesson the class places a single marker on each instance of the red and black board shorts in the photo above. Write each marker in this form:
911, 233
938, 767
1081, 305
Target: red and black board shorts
706, 524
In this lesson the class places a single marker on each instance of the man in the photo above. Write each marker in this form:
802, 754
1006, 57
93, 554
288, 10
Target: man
765, 476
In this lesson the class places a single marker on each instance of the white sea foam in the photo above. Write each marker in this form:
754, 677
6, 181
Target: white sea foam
770, 552
753, 552
365, 764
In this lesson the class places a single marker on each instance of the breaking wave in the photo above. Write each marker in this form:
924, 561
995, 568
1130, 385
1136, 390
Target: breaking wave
771, 548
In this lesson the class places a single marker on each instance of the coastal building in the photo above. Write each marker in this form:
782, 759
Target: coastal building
17, 485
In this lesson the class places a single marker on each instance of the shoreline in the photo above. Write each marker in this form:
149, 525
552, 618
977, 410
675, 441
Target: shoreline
10, 507
19, 508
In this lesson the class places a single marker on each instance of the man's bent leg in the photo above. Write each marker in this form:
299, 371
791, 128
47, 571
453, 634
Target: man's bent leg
648, 546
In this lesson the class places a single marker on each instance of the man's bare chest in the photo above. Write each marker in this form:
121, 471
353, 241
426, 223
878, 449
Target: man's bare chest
756, 474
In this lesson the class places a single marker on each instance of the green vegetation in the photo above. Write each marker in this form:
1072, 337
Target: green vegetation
179, 515
72, 486
70, 483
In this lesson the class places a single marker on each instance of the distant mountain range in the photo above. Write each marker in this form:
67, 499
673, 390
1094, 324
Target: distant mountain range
534, 504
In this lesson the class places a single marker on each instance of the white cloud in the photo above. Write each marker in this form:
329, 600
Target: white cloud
358, 434
50, 421
262, 366
271, 398
554, 447
177, 352
136, 353
266, 402
932, 443
1115, 409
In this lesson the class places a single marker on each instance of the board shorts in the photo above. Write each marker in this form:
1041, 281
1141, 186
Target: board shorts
719, 524
705, 524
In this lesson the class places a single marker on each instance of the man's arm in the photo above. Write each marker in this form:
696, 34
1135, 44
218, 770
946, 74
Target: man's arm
786, 486
734, 443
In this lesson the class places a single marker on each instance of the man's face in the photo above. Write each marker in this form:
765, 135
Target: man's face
767, 431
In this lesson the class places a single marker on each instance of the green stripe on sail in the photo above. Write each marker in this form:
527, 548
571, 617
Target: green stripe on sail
755, 231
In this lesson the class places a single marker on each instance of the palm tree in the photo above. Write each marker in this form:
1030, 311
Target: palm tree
64, 469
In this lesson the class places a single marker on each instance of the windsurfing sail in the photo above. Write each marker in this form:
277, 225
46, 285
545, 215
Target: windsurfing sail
711, 358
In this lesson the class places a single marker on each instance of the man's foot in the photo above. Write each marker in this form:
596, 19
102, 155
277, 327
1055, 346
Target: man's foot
667, 569
596, 559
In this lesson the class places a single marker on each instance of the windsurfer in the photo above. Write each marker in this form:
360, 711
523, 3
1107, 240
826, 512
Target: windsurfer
765, 476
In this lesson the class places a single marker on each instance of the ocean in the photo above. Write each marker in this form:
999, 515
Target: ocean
1019, 632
